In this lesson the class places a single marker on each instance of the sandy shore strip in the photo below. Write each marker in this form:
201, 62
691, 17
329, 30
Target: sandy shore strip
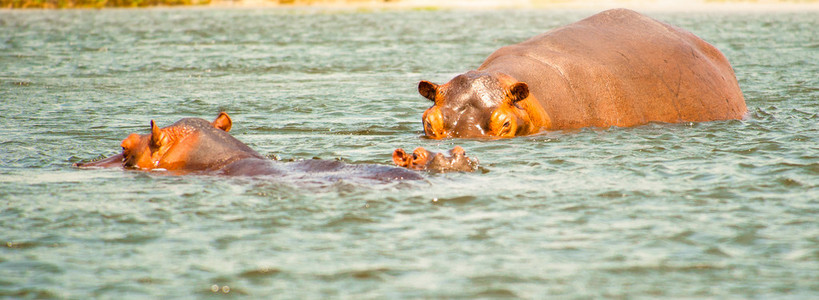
654, 5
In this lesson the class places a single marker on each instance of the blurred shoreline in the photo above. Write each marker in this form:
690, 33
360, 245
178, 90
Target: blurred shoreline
671, 5
644, 5
654, 5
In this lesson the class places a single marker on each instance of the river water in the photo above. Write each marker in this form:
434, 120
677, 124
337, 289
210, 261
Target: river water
705, 210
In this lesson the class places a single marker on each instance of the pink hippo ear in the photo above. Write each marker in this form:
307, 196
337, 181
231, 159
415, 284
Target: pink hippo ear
223, 122
428, 89
518, 91
157, 136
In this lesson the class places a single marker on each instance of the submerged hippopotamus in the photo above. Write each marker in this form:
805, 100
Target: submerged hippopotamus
423, 159
194, 145
615, 68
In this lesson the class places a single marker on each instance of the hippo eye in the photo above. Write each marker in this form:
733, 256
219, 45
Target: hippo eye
507, 124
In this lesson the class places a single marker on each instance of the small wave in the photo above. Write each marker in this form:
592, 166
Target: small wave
367, 273
348, 219
259, 273
663, 268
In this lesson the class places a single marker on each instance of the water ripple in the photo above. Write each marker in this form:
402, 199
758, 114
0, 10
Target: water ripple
721, 209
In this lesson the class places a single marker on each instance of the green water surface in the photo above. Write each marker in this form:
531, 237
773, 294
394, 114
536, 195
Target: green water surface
706, 210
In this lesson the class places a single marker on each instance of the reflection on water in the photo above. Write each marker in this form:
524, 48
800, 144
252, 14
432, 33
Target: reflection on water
713, 209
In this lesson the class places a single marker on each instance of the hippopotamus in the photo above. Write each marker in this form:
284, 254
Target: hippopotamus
194, 145
615, 68
423, 159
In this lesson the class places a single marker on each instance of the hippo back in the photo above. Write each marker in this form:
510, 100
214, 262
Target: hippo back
621, 68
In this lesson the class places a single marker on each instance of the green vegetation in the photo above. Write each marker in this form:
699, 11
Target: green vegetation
144, 3
94, 3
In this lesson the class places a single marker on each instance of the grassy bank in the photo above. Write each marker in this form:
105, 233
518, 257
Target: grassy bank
145, 3
394, 3
95, 3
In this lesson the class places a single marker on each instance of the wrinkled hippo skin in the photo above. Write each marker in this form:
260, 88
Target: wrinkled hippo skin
615, 68
196, 146
423, 159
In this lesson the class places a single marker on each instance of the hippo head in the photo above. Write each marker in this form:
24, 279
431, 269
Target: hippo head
423, 159
480, 104
190, 144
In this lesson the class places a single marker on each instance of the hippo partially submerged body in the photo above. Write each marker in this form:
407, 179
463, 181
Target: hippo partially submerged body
196, 146
615, 68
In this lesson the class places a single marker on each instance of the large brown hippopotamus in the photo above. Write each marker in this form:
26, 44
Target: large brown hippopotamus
615, 68
194, 145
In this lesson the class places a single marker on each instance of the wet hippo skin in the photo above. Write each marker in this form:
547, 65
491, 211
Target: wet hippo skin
615, 68
196, 146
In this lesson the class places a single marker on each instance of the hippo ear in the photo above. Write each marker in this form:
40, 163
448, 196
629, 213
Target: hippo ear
428, 89
223, 122
518, 91
157, 136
